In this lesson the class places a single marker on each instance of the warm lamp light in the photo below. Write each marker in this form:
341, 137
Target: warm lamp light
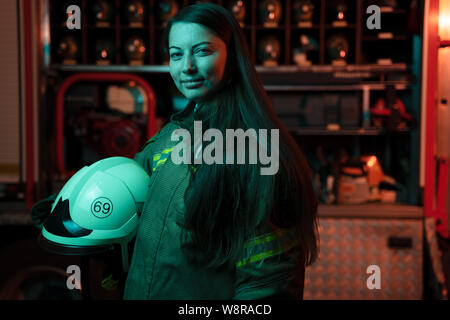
444, 20
372, 161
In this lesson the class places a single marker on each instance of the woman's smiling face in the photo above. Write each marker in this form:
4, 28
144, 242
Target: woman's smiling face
197, 60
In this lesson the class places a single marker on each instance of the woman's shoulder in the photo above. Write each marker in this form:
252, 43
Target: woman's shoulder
176, 121
158, 147
160, 144
162, 135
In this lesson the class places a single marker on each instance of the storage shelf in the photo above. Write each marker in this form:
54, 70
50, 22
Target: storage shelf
321, 26
111, 68
393, 38
262, 69
101, 27
330, 68
313, 27
389, 10
268, 29
348, 26
14, 213
399, 85
371, 210
304, 131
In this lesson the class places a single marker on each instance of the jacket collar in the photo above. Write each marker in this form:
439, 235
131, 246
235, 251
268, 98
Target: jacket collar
185, 117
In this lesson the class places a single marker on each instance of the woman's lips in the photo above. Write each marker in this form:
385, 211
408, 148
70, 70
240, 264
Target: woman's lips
192, 84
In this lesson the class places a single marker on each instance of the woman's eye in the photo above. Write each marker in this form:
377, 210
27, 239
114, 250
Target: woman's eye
203, 51
175, 55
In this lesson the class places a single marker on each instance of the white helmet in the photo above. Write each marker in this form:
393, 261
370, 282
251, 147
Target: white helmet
97, 208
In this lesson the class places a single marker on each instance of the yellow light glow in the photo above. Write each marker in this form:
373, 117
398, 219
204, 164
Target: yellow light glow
444, 19
372, 161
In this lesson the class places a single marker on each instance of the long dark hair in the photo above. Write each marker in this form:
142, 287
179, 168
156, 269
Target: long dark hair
225, 203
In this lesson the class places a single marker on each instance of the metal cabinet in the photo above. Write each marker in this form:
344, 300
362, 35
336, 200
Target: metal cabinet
356, 252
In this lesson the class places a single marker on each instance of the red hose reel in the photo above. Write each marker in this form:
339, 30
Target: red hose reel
120, 137
116, 138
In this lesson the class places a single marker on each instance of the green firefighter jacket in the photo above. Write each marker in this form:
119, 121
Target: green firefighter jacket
270, 265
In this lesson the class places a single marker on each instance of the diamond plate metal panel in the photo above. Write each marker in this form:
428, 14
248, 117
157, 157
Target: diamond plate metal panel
349, 246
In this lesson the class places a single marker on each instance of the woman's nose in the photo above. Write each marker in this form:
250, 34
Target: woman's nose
189, 65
